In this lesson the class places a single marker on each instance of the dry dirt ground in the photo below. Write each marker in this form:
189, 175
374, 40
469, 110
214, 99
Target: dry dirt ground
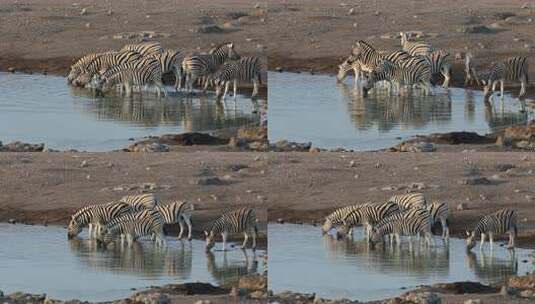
40, 36
316, 35
298, 187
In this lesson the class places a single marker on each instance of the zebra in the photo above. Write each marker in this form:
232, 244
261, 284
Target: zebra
369, 57
200, 65
350, 63
411, 222
514, 68
413, 71
244, 69
500, 222
144, 48
81, 64
177, 212
439, 61
170, 61
368, 215
102, 63
470, 73
414, 48
335, 218
409, 200
133, 227
439, 213
133, 74
141, 202
242, 220
95, 216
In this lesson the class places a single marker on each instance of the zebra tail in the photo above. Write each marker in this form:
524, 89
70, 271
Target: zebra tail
259, 79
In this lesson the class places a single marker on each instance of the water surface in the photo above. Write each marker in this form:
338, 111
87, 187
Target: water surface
40, 259
315, 108
44, 109
301, 259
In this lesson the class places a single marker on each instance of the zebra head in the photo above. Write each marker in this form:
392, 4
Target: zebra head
404, 37
74, 228
470, 240
210, 239
225, 51
327, 225
344, 68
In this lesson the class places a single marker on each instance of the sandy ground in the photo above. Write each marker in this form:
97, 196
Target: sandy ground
321, 33
298, 187
45, 36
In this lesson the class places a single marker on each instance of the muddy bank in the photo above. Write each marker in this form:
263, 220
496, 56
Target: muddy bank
250, 289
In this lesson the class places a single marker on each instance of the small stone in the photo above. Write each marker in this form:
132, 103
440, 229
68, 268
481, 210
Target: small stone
88, 25
351, 11
504, 167
12, 221
280, 221
83, 12
355, 25
352, 164
11, 69
475, 180
461, 207
472, 301
356, 176
234, 292
110, 12
214, 197
83, 164
260, 197
528, 293
88, 176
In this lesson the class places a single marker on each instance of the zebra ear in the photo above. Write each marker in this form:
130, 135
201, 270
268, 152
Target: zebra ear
467, 233
484, 82
205, 233
231, 45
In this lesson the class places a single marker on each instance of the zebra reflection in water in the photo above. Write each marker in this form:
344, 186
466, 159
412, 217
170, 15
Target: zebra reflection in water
490, 269
137, 260
229, 271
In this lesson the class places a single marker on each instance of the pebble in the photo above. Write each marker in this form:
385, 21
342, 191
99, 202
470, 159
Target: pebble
83, 12
352, 163
88, 25
12, 221
280, 221
472, 301
461, 207
351, 11
83, 164
356, 176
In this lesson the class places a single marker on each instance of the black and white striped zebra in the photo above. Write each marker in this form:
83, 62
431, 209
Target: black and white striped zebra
134, 74
408, 223
134, 226
81, 64
414, 48
495, 224
204, 65
246, 69
171, 61
336, 218
439, 213
413, 71
351, 63
144, 48
242, 220
409, 200
439, 61
140, 202
368, 216
470, 73
177, 212
514, 69
95, 217
369, 58
102, 63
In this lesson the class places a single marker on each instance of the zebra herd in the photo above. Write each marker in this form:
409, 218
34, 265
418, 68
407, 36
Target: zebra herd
137, 216
144, 64
415, 64
410, 215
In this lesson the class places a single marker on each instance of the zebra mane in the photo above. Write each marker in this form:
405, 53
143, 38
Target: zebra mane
219, 47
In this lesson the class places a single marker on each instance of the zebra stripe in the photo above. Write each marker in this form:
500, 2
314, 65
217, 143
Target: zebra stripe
439, 61
95, 215
336, 218
144, 48
102, 63
81, 64
498, 223
200, 65
369, 215
170, 61
141, 202
414, 48
439, 213
350, 63
409, 200
246, 69
134, 226
242, 220
514, 69
177, 212
409, 223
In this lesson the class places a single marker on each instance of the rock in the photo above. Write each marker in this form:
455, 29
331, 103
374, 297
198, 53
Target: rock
314, 150
474, 29
83, 164
151, 298
151, 147
253, 282
209, 29
258, 294
280, 221
88, 25
18, 146
208, 181
461, 207
422, 298
11, 69
234, 292
12, 221
522, 137
83, 12
288, 146
475, 180
504, 167
517, 20
504, 15
353, 164
522, 282
356, 176
351, 11
472, 301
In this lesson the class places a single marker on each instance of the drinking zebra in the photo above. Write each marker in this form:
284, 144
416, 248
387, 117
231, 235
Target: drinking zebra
413, 71
414, 48
495, 224
171, 61
95, 217
102, 63
81, 64
134, 226
336, 218
144, 48
514, 68
177, 213
368, 216
200, 65
409, 200
408, 223
141, 202
245, 69
439, 61
369, 57
439, 213
242, 220
350, 63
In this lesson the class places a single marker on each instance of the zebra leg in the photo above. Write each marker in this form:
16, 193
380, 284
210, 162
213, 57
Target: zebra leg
253, 234
445, 229
181, 226
188, 223
160, 88
227, 84
245, 239
90, 228
501, 89
224, 236
206, 82
255, 87
482, 241
235, 83
447, 76
491, 240
396, 235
